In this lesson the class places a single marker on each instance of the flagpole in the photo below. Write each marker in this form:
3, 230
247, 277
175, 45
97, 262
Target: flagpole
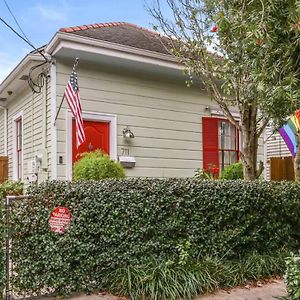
63, 98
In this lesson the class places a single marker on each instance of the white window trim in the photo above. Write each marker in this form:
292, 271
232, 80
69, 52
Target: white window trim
91, 116
17, 116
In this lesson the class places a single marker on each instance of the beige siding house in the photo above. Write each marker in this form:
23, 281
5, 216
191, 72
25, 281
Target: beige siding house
126, 80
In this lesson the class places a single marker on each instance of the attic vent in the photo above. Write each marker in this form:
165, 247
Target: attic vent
24, 77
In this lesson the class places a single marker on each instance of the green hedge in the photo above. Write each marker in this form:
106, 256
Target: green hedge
117, 223
6, 188
292, 277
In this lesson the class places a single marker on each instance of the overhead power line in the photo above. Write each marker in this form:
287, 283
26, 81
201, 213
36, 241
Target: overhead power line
12, 14
24, 39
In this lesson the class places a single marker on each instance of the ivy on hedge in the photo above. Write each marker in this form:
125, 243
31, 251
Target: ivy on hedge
116, 223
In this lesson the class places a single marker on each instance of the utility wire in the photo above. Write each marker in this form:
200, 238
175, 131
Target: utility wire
25, 40
12, 14
36, 87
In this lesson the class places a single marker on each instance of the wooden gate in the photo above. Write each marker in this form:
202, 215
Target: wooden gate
282, 168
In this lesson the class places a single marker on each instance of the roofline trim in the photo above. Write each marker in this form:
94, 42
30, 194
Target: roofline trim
54, 46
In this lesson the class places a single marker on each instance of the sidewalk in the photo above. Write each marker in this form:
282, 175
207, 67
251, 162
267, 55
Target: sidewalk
265, 292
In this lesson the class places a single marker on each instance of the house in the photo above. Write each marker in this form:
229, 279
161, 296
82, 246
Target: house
128, 83
278, 158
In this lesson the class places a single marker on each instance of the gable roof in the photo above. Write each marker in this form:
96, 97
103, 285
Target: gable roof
122, 33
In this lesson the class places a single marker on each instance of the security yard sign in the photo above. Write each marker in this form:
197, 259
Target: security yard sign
60, 219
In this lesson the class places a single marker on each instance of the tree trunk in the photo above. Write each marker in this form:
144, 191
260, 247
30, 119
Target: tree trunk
249, 154
297, 160
250, 144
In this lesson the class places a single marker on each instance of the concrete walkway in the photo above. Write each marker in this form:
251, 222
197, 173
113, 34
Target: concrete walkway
265, 292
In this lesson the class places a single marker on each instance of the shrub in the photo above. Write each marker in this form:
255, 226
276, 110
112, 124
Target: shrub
232, 172
97, 165
292, 277
13, 188
201, 174
212, 172
120, 223
6, 188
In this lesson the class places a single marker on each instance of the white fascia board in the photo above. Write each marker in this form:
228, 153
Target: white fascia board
72, 41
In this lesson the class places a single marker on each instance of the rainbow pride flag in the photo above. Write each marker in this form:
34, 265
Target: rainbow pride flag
289, 132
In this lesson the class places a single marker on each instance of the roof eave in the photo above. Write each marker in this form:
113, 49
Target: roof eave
53, 47
15, 73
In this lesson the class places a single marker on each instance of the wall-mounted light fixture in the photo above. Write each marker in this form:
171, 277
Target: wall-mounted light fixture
127, 133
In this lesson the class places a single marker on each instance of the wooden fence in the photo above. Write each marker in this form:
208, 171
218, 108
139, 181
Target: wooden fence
282, 168
3, 168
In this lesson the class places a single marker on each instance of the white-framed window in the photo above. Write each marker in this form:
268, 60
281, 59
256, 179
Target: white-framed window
18, 146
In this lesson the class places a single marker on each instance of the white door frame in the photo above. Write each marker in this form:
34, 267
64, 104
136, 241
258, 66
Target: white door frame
91, 116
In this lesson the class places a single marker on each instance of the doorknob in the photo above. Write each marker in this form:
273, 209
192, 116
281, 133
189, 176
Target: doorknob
90, 146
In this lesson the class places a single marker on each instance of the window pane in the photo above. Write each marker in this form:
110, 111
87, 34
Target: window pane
19, 163
233, 157
226, 158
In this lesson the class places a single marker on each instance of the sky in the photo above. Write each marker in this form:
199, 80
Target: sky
40, 19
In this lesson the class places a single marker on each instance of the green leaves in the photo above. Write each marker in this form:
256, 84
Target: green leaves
292, 276
97, 165
120, 224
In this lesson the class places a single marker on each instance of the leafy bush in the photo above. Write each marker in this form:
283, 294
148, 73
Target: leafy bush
13, 188
212, 172
120, 223
292, 277
232, 172
6, 188
97, 165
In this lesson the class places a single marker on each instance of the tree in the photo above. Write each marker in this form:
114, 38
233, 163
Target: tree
246, 54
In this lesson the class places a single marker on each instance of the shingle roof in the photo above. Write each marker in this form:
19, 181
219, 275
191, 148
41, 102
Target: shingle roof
121, 33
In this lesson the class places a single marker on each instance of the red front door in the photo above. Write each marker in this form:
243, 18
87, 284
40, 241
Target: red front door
96, 137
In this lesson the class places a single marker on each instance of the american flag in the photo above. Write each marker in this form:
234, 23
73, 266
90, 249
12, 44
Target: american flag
73, 99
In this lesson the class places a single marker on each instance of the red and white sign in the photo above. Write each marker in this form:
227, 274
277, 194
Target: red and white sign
60, 219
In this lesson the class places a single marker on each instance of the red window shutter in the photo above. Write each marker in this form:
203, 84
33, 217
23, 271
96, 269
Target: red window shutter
210, 142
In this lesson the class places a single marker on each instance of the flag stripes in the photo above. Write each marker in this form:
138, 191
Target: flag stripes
73, 99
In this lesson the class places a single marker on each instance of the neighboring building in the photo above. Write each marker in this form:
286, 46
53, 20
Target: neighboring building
275, 148
126, 79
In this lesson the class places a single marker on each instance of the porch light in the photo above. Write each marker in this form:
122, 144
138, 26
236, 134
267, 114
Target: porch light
127, 133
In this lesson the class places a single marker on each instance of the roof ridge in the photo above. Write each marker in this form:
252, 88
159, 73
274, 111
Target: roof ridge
102, 25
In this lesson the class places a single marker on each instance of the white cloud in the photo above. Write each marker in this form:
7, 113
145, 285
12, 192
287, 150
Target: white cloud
50, 13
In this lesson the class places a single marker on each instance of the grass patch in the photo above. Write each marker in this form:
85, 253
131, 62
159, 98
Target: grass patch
169, 280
